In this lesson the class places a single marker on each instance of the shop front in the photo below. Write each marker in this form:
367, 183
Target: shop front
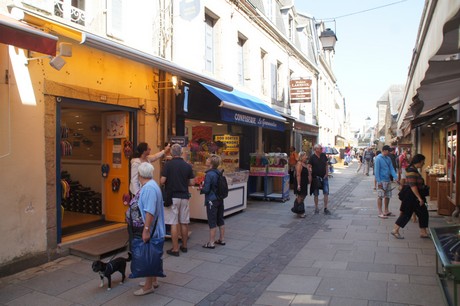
215, 121
307, 134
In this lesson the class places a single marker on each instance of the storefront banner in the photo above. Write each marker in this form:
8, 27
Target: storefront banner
233, 116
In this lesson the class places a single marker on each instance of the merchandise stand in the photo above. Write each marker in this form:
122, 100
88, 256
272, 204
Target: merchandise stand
269, 177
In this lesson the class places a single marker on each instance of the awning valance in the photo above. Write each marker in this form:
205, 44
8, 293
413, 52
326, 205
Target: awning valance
18, 34
240, 107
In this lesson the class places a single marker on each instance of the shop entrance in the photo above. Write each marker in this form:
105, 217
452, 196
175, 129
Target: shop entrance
92, 171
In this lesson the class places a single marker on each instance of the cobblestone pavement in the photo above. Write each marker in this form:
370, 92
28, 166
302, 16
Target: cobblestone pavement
248, 284
271, 258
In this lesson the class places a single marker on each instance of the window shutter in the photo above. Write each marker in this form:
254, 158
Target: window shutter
115, 18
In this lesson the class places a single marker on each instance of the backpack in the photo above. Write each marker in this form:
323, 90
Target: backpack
222, 186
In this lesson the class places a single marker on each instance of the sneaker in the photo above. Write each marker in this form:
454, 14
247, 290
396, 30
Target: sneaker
326, 211
316, 211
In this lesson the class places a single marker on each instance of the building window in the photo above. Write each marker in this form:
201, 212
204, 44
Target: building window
276, 86
209, 43
263, 72
241, 59
291, 28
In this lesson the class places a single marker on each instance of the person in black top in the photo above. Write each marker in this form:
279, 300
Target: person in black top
177, 175
318, 176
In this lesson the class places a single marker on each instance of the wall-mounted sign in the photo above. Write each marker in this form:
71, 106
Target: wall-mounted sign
233, 116
300, 90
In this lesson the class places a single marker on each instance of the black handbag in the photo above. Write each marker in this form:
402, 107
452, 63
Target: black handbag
424, 191
298, 208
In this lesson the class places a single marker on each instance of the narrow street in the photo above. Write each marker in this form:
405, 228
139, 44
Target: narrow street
271, 258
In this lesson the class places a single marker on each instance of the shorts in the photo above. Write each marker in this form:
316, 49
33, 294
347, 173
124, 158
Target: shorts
178, 212
325, 188
215, 213
385, 191
403, 173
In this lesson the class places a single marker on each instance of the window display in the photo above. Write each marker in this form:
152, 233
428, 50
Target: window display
208, 138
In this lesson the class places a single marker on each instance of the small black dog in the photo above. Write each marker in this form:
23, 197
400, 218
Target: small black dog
107, 269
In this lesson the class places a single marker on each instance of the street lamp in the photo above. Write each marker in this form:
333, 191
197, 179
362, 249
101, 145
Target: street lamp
328, 39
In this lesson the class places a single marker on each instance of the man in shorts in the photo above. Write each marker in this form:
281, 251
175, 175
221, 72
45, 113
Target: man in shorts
318, 170
383, 169
177, 175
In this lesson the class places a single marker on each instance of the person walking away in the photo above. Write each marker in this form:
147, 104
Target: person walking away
318, 175
301, 180
214, 205
293, 157
150, 206
142, 154
368, 156
414, 199
383, 170
177, 175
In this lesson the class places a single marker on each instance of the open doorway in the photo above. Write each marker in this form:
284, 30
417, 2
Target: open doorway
88, 162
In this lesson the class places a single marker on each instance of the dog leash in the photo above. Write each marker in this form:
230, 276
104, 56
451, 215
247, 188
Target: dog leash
126, 243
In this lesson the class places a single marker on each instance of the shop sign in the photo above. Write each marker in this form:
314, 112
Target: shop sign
300, 90
182, 140
189, 9
232, 143
233, 116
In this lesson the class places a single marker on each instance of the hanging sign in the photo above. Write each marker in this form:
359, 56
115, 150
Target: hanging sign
300, 90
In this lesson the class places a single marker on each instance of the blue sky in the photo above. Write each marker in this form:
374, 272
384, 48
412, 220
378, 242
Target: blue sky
373, 50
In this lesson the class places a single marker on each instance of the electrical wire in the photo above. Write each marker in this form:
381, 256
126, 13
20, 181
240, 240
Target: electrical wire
363, 11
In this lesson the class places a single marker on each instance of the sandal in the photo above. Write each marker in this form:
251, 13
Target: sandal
425, 236
219, 242
397, 235
382, 216
208, 245
172, 253
389, 214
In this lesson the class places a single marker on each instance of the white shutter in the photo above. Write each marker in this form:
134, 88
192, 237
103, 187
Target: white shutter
115, 18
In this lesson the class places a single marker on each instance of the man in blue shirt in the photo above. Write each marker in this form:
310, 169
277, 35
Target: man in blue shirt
384, 174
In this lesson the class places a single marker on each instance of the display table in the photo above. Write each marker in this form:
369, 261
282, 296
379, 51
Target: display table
431, 181
445, 207
236, 201
447, 243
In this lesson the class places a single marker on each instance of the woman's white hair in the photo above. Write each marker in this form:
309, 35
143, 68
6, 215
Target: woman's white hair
145, 170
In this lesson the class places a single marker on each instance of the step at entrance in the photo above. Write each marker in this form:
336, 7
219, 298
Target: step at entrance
102, 246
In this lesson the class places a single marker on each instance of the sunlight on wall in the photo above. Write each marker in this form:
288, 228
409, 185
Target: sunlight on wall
22, 76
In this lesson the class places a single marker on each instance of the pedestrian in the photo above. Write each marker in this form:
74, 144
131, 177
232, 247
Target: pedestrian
373, 162
318, 175
368, 156
403, 163
414, 199
293, 157
301, 181
214, 205
383, 170
150, 204
177, 175
360, 160
142, 154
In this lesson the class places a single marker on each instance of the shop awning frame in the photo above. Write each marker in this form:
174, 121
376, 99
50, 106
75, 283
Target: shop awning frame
115, 48
240, 101
21, 35
434, 76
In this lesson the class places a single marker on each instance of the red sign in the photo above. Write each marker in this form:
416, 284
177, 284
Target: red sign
300, 90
